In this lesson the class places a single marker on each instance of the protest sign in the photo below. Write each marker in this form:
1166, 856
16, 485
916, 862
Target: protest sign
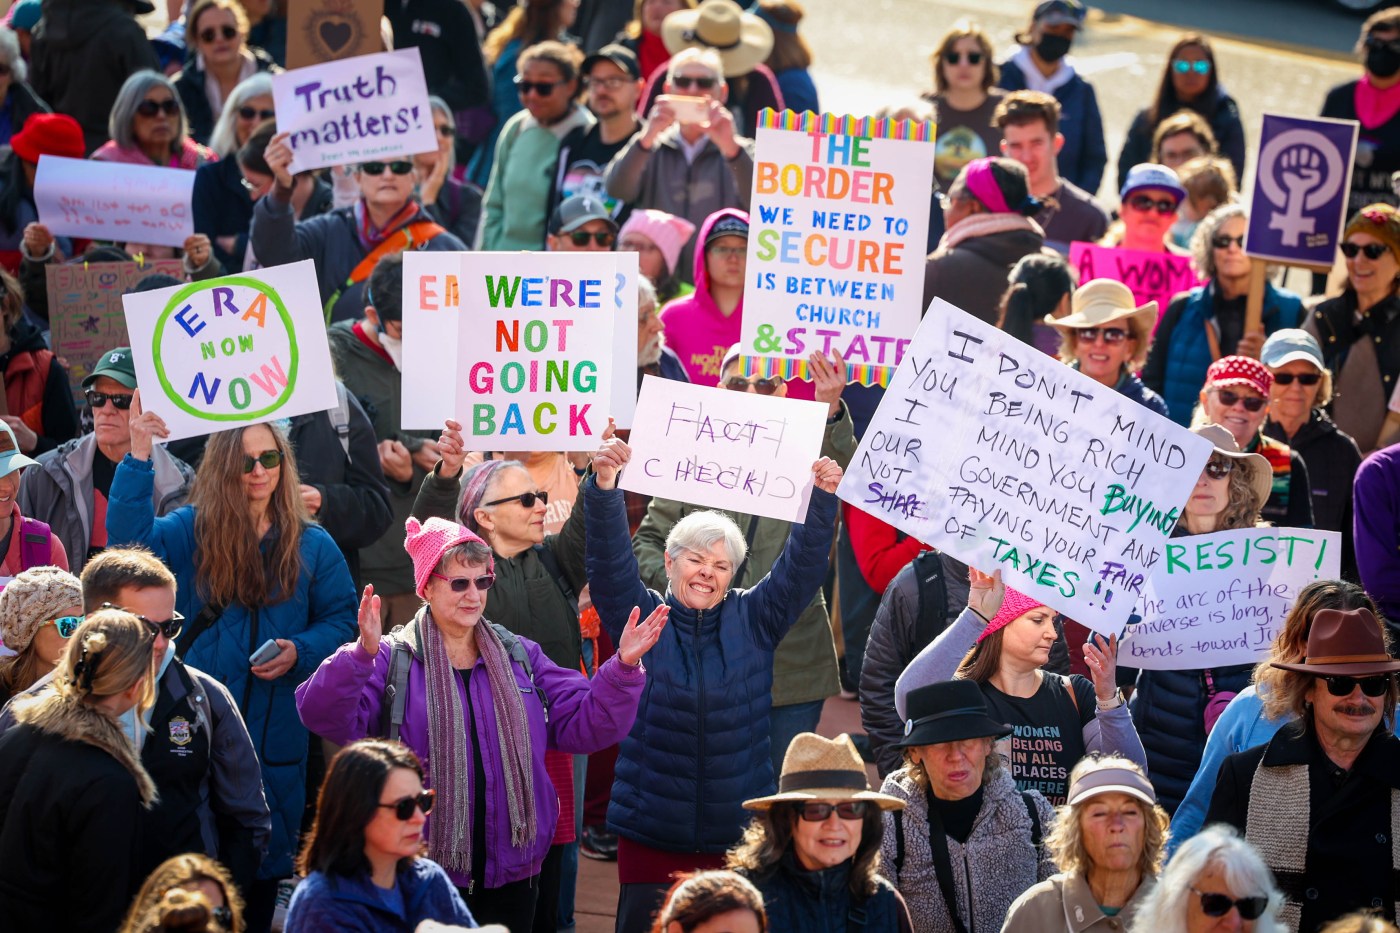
1219, 599
85, 309
1008, 460
623, 403
329, 30
750, 454
838, 229
232, 351
362, 109
1150, 276
114, 201
1298, 205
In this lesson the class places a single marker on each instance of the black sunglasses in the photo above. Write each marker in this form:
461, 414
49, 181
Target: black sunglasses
270, 459
1307, 379
403, 809
1221, 241
1218, 905
210, 34
149, 108
847, 810
527, 499
398, 167
1217, 468
1341, 686
1373, 251
1142, 202
542, 88
446, 130
462, 584
1110, 335
601, 237
1253, 404
170, 628
253, 113
685, 83
761, 386
955, 58
100, 399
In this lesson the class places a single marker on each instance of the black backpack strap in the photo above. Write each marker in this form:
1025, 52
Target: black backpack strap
933, 599
203, 622
515, 648
1034, 814
943, 865
392, 710
551, 566
898, 844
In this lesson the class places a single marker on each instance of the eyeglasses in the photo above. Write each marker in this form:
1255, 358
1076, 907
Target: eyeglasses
601, 237
210, 34
761, 386
1184, 66
398, 167
1218, 905
1307, 379
1252, 403
403, 808
1341, 686
686, 82
446, 129
1221, 241
612, 83
542, 88
462, 584
170, 628
66, 625
251, 186
149, 108
1219, 468
728, 252
1373, 251
270, 460
527, 499
1111, 335
253, 113
956, 58
1142, 202
100, 399
847, 810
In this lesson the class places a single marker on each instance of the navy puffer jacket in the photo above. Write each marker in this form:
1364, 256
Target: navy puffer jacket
699, 747
820, 901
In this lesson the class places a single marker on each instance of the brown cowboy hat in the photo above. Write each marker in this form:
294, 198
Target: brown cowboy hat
815, 768
1347, 642
741, 39
1261, 475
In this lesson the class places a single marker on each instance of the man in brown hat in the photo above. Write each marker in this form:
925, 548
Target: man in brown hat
1321, 801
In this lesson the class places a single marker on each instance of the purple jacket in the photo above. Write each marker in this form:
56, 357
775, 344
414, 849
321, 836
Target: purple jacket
1376, 520
342, 699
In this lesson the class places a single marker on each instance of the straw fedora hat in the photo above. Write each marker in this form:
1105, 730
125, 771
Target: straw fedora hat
741, 39
815, 768
1346, 642
1261, 475
1100, 302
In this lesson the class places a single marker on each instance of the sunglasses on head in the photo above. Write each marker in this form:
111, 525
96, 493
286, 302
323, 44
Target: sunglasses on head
1184, 66
542, 88
462, 584
149, 108
210, 34
526, 499
685, 83
761, 386
398, 167
253, 113
1218, 905
1141, 202
66, 625
1221, 241
170, 628
1373, 251
1219, 467
270, 459
403, 808
1252, 404
956, 58
1110, 335
1307, 379
1342, 686
847, 810
601, 237
100, 399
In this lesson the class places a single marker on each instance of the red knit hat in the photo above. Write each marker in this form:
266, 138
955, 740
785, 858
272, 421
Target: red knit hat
1013, 605
426, 543
1240, 371
55, 134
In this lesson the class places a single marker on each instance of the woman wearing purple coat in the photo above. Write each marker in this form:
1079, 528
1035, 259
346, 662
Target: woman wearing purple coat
480, 707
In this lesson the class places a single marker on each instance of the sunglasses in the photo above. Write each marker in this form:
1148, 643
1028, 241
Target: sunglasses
1307, 379
1221, 241
66, 625
1341, 686
170, 628
956, 58
1184, 67
1218, 905
542, 88
1252, 404
253, 113
446, 130
462, 584
398, 167
1373, 251
210, 34
270, 459
601, 237
817, 812
527, 499
403, 809
761, 386
1218, 469
1111, 335
1142, 202
100, 399
149, 108
684, 83
250, 186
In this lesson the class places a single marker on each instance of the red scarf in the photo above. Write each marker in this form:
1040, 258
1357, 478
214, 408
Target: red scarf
1375, 107
358, 329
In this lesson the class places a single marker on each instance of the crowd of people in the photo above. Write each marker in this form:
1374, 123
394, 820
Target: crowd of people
331, 673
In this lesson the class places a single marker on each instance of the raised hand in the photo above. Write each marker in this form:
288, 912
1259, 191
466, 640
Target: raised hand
371, 628
826, 474
637, 639
611, 457
451, 450
985, 593
829, 376
1101, 657
145, 427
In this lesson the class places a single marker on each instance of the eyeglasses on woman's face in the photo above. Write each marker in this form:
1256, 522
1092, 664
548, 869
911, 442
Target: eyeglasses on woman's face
462, 584
403, 807
210, 33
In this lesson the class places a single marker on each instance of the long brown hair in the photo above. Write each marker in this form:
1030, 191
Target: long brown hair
229, 561
1290, 645
981, 663
20, 671
347, 802
769, 837
1166, 102
177, 872
530, 22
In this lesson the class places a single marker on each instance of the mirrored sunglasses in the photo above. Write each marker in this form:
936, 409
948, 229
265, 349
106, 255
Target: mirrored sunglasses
1110, 335
66, 625
1184, 66
1219, 467
462, 584
270, 460
846, 810
404, 807
1342, 686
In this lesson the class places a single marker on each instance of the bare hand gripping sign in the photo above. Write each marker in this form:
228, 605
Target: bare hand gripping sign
1007, 459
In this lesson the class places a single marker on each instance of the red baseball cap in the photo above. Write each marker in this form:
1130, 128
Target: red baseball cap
55, 134
1240, 371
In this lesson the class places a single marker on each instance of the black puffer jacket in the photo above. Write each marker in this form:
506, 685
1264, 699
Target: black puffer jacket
973, 274
820, 901
1332, 459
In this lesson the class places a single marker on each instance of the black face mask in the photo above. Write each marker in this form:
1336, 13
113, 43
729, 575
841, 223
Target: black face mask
1383, 60
1052, 48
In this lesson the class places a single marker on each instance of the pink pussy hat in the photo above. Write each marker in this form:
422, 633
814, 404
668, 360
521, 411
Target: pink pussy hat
669, 232
1013, 605
426, 543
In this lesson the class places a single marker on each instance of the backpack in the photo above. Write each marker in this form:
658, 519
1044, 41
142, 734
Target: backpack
35, 543
933, 598
340, 416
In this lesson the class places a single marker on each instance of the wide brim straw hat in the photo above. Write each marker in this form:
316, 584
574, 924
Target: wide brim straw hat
815, 768
1261, 475
1101, 302
742, 40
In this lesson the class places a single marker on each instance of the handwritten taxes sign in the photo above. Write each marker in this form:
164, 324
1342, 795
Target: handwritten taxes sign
362, 109
1220, 599
838, 228
985, 448
1298, 206
1150, 276
750, 454
114, 201
232, 351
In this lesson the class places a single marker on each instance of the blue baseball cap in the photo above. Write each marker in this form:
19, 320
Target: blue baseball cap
1291, 343
1152, 175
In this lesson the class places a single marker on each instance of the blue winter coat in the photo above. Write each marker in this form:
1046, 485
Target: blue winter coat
820, 901
1084, 155
699, 747
352, 905
320, 617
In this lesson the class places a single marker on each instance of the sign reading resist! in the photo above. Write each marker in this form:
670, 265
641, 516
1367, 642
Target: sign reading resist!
1009, 460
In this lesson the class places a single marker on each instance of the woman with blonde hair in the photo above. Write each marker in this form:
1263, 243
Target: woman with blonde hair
72, 787
1213, 877
192, 874
40, 609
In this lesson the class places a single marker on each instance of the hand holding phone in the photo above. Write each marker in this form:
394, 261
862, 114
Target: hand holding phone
269, 650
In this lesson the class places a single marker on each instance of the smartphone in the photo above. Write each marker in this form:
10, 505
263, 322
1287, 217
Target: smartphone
689, 109
269, 650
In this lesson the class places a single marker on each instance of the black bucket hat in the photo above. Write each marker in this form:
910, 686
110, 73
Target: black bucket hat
948, 711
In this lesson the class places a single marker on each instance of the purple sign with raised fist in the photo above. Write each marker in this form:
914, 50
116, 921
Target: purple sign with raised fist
1298, 206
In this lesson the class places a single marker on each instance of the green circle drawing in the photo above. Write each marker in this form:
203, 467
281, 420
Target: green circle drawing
234, 281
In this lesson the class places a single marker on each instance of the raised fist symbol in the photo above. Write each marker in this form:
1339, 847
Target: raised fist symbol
1300, 168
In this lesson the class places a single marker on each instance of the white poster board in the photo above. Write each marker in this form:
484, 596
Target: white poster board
362, 109
1007, 459
750, 454
623, 403
114, 201
1219, 599
232, 351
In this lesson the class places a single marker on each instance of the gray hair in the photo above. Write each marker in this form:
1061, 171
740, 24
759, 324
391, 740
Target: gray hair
695, 55
698, 532
1219, 846
646, 292
441, 106
9, 54
467, 552
224, 139
130, 97
1202, 252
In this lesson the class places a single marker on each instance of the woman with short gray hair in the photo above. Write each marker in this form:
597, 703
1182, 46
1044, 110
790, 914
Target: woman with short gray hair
1214, 875
148, 126
17, 98
454, 204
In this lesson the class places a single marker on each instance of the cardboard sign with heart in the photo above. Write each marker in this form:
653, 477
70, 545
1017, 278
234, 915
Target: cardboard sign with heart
328, 30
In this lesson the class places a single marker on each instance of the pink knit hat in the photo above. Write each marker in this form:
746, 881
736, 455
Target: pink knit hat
669, 232
426, 543
1013, 605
